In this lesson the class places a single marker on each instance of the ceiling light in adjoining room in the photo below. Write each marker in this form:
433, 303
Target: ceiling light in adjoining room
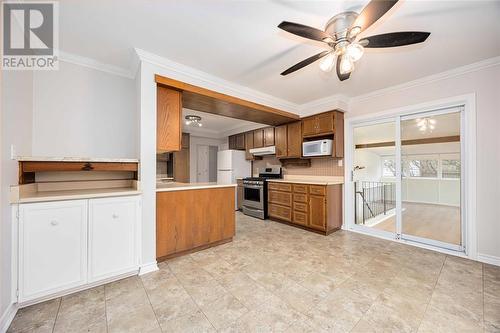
426, 124
192, 120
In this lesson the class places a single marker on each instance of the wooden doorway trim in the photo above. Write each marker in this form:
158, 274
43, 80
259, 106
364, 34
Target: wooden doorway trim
205, 100
424, 141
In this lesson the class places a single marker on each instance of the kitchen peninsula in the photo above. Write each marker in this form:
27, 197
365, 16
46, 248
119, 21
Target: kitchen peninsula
193, 216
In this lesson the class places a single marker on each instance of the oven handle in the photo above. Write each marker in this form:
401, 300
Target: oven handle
258, 187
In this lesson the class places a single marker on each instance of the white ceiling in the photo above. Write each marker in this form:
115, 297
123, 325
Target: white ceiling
215, 126
239, 41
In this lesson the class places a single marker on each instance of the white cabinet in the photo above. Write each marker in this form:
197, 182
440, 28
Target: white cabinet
52, 247
112, 236
75, 243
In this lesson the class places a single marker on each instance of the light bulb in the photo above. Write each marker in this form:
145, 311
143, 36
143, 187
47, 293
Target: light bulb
355, 51
326, 64
346, 64
199, 124
188, 122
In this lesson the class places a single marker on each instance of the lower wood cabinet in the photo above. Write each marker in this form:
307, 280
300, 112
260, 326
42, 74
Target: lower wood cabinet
315, 207
68, 244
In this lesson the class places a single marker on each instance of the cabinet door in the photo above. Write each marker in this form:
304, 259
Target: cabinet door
325, 123
232, 142
317, 212
258, 138
294, 140
338, 137
268, 136
280, 140
309, 126
52, 247
185, 140
248, 145
240, 141
112, 236
168, 122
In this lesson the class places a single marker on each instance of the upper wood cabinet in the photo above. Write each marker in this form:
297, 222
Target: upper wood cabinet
269, 136
237, 141
288, 140
181, 161
168, 119
258, 138
323, 124
248, 145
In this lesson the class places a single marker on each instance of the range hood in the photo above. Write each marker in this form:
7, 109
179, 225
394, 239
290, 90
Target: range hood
263, 151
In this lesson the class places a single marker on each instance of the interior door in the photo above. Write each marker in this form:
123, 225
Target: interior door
431, 178
202, 165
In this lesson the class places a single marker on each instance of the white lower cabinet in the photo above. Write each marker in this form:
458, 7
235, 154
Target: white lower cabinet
52, 247
113, 236
69, 244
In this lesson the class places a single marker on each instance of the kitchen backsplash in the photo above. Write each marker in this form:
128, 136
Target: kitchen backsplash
319, 167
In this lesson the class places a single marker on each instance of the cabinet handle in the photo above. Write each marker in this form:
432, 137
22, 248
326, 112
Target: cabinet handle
115, 216
54, 222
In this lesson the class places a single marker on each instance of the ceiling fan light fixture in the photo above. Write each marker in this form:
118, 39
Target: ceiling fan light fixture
354, 32
346, 64
355, 51
326, 64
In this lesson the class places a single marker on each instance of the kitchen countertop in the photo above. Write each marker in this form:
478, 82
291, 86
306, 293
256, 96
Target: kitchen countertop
75, 159
311, 180
76, 194
174, 186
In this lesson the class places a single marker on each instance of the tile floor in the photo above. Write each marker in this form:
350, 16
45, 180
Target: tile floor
274, 277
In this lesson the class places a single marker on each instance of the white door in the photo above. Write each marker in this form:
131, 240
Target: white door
52, 247
113, 224
202, 164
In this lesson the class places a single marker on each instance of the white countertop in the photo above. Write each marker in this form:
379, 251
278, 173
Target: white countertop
174, 186
75, 159
311, 180
77, 194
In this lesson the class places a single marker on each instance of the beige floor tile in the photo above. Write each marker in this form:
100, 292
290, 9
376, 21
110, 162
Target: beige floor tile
205, 292
36, 318
437, 321
224, 311
190, 323
137, 319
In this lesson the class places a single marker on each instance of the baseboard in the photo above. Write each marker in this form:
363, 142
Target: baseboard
7, 317
148, 268
488, 259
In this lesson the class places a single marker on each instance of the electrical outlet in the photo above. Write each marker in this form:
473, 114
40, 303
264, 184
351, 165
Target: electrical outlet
12, 152
340, 162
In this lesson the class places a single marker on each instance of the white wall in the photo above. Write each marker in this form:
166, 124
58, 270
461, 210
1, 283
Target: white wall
16, 124
83, 112
194, 141
485, 84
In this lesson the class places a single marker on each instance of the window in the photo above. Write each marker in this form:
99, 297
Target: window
389, 168
450, 169
422, 168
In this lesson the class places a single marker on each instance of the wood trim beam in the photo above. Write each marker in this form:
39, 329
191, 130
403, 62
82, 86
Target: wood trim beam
441, 139
203, 92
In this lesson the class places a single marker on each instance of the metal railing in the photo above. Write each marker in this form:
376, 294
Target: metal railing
372, 199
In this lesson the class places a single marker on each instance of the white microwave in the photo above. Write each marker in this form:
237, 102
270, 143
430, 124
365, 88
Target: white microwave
317, 148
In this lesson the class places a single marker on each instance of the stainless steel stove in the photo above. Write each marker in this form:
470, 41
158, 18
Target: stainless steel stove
255, 192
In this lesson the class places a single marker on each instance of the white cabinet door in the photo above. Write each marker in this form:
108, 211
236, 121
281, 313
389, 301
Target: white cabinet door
52, 247
113, 229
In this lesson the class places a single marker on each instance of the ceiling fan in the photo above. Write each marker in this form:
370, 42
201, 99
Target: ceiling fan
341, 35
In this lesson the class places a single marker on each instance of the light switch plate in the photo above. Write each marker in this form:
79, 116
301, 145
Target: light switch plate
12, 152
340, 162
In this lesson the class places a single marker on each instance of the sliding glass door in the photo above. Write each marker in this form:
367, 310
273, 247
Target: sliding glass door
431, 178
407, 178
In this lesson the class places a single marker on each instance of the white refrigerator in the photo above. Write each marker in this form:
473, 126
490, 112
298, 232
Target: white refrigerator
231, 164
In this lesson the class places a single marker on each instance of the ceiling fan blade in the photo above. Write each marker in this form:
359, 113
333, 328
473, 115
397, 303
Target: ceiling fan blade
304, 31
394, 39
305, 62
372, 12
342, 77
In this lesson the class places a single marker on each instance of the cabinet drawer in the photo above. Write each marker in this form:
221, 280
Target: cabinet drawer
300, 206
299, 197
317, 190
280, 187
300, 188
280, 212
300, 218
281, 198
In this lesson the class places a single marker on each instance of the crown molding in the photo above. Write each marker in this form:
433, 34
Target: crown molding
334, 102
94, 64
193, 76
474, 67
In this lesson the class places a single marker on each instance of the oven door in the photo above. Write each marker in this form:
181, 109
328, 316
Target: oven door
253, 196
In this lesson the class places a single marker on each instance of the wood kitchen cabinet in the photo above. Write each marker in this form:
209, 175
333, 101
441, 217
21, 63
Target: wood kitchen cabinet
248, 145
168, 119
323, 125
268, 136
237, 141
313, 207
239, 194
181, 161
258, 138
288, 140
